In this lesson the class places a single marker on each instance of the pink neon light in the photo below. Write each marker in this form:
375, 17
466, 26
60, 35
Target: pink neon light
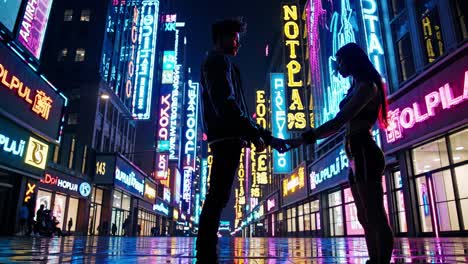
436, 221
272, 225
432, 101
407, 118
417, 114
411, 115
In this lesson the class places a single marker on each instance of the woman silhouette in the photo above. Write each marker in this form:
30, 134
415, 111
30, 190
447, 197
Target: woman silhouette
359, 110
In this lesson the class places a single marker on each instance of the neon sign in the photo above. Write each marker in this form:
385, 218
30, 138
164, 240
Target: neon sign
241, 177
432, 34
169, 61
160, 207
145, 60
41, 104
271, 203
262, 157
150, 192
370, 15
33, 25
68, 185
190, 146
175, 111
203, 180
162, 165
130, 180
31, 189
281, 161
297, 120
294, 186
329, 170
12, 146
341, 29
37, 153
131, 60
435, 103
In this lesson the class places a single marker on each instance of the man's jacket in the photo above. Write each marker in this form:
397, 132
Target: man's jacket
225, 112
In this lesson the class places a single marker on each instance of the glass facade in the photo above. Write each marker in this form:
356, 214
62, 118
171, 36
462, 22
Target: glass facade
95, 211
440, 168
335, 213
121, 213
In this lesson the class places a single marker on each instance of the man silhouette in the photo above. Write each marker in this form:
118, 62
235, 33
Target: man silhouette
229, 128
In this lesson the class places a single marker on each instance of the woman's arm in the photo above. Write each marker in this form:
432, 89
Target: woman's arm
363, 95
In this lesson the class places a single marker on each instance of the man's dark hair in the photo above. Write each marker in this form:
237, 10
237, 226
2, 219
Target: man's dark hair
228, 26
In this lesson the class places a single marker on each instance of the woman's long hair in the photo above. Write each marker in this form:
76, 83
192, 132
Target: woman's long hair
361, 67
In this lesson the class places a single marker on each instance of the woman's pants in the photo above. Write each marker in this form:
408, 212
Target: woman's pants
367, 164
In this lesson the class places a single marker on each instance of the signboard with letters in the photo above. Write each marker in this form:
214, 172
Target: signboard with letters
294, 187
28, 98
54, 180
21, 149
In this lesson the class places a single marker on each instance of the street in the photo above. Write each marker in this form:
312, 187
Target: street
95, 249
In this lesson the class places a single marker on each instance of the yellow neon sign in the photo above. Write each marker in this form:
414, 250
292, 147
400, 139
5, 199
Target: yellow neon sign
297, 119
295, 182
37, 153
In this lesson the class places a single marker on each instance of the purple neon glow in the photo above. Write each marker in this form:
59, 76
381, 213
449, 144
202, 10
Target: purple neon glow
316, 17
33, 25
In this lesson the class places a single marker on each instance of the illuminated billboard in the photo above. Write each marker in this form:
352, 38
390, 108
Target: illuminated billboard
150, 192
162, 133
437, 104
33, 24
262, 170
169, 62
9, 14
27, 97
281, 161
145, 62
331, 25
295, 74
190, 143
329, 171
22, 150
294, 186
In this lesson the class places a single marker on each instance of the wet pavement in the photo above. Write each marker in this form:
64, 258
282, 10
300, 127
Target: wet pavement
232, 250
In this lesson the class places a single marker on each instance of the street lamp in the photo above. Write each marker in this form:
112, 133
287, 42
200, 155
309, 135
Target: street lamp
104, 96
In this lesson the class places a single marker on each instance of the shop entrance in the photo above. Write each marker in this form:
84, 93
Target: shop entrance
436, 203
121, 219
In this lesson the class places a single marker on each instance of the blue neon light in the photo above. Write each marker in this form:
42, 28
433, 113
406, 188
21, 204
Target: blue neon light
370, 16
281, 161
190, 145
145, 60
342, 31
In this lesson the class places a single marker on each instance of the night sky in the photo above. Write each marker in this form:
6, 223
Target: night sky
263, 19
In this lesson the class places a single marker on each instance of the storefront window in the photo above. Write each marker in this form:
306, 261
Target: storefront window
315, 215
95, 210
461, 17
300, 218
336, 214
430, 156
43, 198
461, 173
126, 202
400, 201
307, 217
72, 213
353, 227
59, 208
424, 204
429, 21
459, 146
117, 201
445, 201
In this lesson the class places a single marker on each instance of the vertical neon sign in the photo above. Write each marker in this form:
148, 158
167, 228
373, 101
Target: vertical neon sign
145, 60
190, 146
281, 161
370, 17
297, 120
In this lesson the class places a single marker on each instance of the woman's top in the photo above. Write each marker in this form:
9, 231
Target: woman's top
359, 111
